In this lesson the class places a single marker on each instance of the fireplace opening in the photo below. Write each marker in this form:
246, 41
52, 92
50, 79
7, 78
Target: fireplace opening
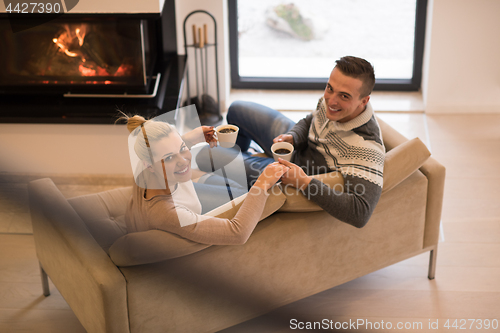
83, 67
78, 57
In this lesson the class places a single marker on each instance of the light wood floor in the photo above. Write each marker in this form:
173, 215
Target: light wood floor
467, 284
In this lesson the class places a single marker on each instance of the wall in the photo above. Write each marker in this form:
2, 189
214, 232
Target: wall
64, 149
461, 63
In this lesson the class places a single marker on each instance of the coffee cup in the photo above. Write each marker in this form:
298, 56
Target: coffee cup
226, 135
283, 150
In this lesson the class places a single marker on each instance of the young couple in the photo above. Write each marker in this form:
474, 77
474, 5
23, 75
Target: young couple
342, 135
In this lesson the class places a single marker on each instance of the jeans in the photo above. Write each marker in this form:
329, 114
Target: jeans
214, 192
258, 123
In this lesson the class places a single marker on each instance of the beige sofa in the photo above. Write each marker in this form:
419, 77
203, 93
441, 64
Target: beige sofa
294, 253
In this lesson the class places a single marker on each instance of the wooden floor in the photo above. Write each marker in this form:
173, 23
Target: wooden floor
467, 284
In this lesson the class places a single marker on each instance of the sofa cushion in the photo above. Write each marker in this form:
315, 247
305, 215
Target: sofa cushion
402, 161
104, 214
297, 202
156, 245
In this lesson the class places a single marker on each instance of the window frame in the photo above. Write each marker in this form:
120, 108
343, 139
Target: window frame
246, 82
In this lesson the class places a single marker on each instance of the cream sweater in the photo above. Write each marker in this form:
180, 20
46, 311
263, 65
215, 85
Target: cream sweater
165, 212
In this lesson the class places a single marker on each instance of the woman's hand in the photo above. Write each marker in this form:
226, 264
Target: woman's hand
271, 174
284, 138
295, 176
209, 133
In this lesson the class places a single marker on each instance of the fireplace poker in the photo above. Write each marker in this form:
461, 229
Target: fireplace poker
196, 64
206, 56
202, 54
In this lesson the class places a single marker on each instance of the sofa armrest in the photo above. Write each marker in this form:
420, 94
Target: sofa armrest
435, 173
80, 269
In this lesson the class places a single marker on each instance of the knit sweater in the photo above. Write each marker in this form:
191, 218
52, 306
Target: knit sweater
353, 148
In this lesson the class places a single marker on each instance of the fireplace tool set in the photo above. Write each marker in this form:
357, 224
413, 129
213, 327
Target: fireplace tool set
208, 108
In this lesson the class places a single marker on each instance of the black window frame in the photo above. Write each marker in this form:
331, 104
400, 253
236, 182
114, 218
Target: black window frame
239, 82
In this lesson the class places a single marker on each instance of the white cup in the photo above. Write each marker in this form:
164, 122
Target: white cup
227, 140
282, 145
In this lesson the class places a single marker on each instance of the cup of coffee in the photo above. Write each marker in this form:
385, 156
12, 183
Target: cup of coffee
283, 150
226, 135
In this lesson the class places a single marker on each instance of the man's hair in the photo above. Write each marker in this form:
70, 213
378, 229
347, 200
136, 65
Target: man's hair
358, 68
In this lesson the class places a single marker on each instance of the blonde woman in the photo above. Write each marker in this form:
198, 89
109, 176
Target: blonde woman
166, 198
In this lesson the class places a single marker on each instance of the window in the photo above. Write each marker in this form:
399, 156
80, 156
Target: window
280, 44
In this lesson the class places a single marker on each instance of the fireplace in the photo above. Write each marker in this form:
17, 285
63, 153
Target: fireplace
81, 68
80, 57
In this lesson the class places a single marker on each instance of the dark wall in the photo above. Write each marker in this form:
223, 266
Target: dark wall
168, 27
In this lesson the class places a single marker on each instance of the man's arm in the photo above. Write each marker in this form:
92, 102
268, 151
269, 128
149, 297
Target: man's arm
354, 205
300, 132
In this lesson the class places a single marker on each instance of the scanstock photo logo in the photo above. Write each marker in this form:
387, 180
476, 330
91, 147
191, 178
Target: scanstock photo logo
26, 14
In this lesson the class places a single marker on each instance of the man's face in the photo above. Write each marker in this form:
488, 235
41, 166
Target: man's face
343, 97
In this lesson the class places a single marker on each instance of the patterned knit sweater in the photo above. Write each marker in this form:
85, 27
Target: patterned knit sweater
353, 148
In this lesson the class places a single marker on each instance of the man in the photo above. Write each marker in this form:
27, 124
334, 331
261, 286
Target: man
342, 135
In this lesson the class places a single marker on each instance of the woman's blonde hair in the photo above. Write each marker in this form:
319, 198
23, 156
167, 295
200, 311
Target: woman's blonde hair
151, 131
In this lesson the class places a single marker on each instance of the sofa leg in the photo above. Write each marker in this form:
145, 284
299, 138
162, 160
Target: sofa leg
45, 282
432, 264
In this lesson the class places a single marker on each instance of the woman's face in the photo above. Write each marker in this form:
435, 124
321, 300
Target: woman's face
176, 156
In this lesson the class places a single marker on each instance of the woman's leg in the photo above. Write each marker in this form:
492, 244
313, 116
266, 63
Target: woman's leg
258, 123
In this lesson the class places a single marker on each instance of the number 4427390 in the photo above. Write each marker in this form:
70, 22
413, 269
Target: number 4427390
467, 324
33, 7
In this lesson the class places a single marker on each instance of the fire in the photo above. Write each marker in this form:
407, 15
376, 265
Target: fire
123, 70
86, 71
86, 58
80, 36
70, 40
64, 48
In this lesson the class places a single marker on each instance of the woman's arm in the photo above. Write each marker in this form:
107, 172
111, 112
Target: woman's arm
200, 134
214, 230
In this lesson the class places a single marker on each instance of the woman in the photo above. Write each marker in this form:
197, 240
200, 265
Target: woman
168, 201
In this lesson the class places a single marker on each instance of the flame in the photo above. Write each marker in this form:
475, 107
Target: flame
64, 48
80, 36
122, 70
70, 42
86, 71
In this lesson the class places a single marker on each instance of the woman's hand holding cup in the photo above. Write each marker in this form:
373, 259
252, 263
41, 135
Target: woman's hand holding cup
209, 133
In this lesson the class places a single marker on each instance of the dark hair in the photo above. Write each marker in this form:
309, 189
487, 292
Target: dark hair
360, 69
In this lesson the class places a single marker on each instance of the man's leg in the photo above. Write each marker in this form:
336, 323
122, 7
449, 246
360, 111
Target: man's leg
212, 191
258, 123
254, 165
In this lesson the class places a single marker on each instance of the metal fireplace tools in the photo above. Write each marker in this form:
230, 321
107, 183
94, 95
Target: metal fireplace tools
208, 108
